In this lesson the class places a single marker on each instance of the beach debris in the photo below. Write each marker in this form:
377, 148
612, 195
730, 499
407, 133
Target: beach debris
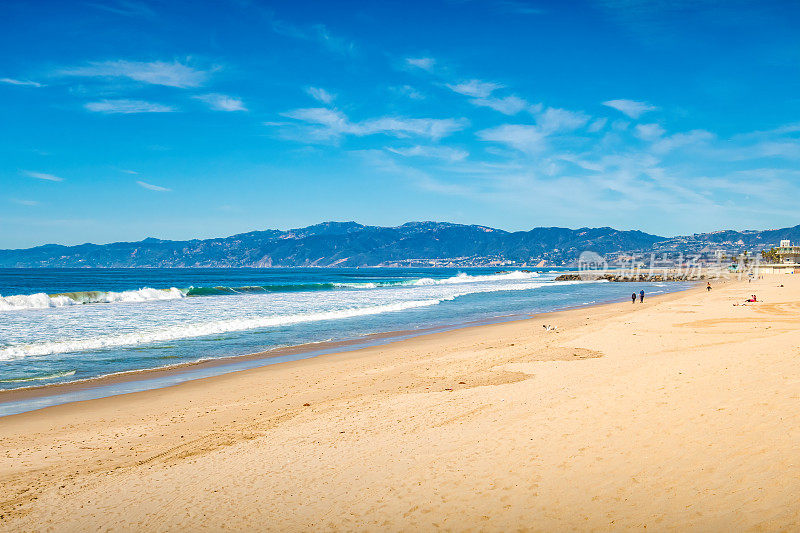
549, 327
306, 405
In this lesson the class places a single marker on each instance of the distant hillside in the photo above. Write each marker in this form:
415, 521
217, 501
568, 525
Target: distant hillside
412, 244
733, 240
343, 244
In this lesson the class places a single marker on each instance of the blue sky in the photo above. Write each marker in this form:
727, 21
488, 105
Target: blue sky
123, 119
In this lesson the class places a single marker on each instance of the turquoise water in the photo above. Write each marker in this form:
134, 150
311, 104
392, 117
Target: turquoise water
71, 324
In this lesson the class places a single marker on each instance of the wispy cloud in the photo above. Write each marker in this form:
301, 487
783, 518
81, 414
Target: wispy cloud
425, 63
170, 74
332, 42
42, 176
125, 106
28, 83
509, 105
522, 137
519, 8
326, 124
126, 8
152, 187
435, 152
222, 102
555, 120
649, 132
475, 88
318, 33
597, 124
28, 203
680, 140
320, 94
408, 91
631, 108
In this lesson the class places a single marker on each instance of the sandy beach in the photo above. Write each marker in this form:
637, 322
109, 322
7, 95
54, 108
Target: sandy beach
676, 414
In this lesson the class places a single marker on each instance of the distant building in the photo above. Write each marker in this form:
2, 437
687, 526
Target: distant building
788, 253
788, 260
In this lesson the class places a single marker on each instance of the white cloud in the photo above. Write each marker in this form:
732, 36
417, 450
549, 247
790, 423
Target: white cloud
152, 187
555, 120
789, 149
320, 94
327, 123
425, 63
125, 106
28, 203
174, 74
222, 102
509, 105
597, 125
435, 152
42, 176
630, 107
409, 91
679, 140
28, 83
475, 88
521, 137
649, 132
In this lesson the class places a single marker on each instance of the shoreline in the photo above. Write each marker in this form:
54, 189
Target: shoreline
24, 399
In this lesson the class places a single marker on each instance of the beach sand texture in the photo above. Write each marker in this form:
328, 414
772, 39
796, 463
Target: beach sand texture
677, 414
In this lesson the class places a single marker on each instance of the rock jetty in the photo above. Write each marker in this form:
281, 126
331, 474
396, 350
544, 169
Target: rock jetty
619, 277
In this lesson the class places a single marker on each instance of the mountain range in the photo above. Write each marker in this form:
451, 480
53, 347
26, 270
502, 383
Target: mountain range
348, 244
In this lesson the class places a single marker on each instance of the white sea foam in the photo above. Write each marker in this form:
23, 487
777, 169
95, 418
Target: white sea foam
192, 325
459, 278
44, 301
200, 329
466, 278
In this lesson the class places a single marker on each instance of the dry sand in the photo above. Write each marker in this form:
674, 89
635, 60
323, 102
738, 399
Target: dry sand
677, 414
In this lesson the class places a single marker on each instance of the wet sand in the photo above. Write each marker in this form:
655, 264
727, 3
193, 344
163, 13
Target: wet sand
679, 413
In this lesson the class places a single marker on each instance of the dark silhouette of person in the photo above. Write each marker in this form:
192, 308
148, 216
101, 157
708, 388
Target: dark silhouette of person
633, 298
641, 296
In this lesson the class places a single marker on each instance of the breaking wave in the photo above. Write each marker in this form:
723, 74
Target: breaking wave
44, 301
43, 377
185, 331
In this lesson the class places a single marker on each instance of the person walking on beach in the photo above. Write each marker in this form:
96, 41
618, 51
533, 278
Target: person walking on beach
708, 286
633, 298
641, 296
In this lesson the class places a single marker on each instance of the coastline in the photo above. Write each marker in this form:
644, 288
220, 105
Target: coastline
23, 399
676, 414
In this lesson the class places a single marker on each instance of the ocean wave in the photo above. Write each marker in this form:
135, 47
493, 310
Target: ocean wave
204, 329
44, 301
185, 331
43, 377
515, 275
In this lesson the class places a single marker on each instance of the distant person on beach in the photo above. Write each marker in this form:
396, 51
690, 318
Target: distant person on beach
641, 296
708, 286
633, 298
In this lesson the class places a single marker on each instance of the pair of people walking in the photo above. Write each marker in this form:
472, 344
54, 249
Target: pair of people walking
641, 297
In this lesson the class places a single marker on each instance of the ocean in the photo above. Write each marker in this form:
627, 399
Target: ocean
63, 325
